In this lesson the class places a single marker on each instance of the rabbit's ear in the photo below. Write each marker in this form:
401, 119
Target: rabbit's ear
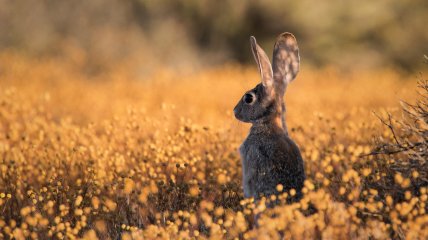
263, 64
286, 61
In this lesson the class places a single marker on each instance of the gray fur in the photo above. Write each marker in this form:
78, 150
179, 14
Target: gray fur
269, 156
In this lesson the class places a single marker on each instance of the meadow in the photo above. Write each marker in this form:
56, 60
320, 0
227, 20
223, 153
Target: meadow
136, 155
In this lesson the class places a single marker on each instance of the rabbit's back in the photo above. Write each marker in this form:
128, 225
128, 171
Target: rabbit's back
269, 160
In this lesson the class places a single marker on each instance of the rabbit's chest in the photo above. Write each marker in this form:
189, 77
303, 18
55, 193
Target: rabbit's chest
265, 155
257, 166
256, 157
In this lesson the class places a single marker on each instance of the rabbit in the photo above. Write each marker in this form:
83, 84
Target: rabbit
269, 156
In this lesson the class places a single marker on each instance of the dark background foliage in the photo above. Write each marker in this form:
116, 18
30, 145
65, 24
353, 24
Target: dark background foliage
349, 34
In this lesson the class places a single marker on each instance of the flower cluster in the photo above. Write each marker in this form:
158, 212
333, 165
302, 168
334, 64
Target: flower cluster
114, 157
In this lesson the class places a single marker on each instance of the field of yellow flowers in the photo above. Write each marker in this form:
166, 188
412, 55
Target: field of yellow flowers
127, 155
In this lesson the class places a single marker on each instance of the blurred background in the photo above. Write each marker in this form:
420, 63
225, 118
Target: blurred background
97, 35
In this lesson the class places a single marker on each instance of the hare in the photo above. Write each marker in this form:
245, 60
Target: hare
269, 156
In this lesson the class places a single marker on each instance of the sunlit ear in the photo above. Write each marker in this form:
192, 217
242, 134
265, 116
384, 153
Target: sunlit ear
263, 64
285, 61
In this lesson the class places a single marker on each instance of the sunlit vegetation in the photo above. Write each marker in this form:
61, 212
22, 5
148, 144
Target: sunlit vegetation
119, 155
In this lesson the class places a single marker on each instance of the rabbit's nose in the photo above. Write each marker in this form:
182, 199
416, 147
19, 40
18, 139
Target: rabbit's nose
235, 111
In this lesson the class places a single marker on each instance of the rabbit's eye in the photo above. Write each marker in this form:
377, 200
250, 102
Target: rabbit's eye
248, 98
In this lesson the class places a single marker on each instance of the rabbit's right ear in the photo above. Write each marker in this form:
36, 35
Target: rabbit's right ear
285, 62
264, 66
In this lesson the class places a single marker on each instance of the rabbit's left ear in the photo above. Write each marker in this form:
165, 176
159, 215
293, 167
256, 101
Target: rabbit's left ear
285, 62
263, 65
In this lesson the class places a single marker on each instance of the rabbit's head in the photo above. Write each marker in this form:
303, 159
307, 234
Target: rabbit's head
264, 103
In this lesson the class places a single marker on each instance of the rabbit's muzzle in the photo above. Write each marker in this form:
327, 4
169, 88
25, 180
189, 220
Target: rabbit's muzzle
238, 114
